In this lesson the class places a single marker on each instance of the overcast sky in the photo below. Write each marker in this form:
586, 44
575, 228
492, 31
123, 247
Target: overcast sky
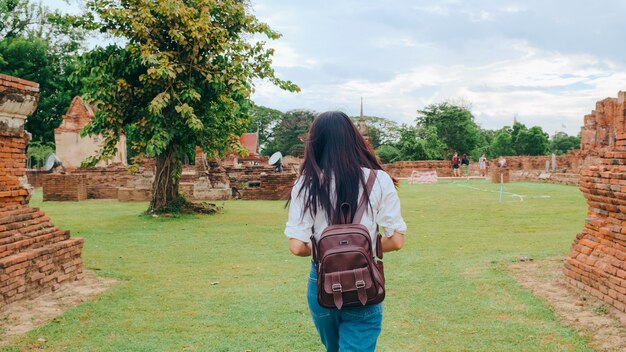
546, 62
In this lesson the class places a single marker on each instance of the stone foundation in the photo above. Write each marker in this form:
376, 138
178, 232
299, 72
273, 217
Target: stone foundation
597, 260
35, 256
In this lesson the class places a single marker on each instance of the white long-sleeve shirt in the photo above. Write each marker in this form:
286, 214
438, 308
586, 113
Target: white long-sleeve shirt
384, 211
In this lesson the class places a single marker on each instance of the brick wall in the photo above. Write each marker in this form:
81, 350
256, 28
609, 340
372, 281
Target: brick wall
274, 186
64, 187
35, 177
403, 169
597, 260
35, 256
521, 168
104, 182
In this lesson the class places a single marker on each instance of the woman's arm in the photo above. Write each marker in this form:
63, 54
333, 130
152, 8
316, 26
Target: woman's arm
392, 243
299, 248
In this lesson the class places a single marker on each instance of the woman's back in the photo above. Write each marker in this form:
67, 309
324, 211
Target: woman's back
337, 163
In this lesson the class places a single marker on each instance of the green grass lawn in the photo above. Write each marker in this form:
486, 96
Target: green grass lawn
228, 283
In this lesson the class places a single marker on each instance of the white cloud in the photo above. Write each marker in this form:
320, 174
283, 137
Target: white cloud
286, 56
542, 88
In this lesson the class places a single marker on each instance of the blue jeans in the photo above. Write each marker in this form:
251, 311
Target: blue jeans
348, 329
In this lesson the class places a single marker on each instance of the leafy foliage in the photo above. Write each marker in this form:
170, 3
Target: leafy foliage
40, 46
502, 144
380, 130
454, 126
183, 79
16, 16
419, 143
263, 120
289, 135
387, 153
38, 152
562, 143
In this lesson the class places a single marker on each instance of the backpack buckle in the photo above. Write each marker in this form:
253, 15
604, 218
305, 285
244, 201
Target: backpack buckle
336, 287
360, 284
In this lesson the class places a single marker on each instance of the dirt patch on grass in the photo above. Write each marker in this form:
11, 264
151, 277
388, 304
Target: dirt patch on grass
604, 325
20, 317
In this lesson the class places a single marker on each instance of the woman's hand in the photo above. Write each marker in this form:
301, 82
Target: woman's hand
393, 243
299, 248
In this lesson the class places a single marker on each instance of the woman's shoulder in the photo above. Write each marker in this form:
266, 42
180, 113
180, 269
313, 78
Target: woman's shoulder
381, 175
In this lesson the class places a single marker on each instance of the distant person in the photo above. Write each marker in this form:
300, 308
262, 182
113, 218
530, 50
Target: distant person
465, 165
482, 165
455, 165
337, 166
502, 163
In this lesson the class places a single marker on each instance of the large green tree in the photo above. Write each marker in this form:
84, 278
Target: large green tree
529, 141
263, 120
532, 141
418, 143
289, 134
41, 46
182, 79
454, 125
502, 144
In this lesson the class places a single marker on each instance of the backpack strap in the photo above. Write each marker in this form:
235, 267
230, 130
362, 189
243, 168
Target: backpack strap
362, 203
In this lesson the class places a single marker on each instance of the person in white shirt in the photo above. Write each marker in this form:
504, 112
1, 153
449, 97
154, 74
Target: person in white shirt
336, 165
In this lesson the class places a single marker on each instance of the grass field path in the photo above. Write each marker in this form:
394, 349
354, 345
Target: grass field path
228, 283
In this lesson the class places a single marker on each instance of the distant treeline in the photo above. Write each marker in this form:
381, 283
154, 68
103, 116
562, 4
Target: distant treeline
439, 131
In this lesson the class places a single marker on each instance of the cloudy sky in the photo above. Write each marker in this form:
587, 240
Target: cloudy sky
546, 62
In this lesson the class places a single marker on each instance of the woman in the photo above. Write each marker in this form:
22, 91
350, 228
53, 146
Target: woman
465, 163
336, 164
455, 164
482, 164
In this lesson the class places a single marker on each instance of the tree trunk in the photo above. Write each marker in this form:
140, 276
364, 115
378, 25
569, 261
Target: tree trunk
166, 181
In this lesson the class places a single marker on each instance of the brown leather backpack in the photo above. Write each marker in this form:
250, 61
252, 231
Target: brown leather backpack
348, 274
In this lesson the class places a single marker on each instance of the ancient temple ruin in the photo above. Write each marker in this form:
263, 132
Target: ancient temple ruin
597, 260
71, 148
35, 255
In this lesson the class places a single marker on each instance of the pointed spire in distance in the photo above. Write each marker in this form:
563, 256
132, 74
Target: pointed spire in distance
362, 117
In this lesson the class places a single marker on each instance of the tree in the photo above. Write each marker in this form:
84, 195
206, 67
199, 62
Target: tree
454, 126
41, 46
380, 130
32, 58
263, 120
562, 143
183, 79
387, 153
38, 152
418, 143
533, 141
16, 16
289, 134
529, 141
502, 144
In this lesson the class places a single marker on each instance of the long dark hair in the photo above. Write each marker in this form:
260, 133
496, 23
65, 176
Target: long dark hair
335, 152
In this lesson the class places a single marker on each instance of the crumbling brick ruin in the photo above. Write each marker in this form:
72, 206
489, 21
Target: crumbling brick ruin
71, 147
35, 256
519, 168
597, 260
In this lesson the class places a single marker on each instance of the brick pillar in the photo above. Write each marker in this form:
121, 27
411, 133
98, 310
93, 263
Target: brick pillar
35, 256
597, 260
18, 99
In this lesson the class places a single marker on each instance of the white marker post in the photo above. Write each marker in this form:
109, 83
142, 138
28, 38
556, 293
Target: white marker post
501, 184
